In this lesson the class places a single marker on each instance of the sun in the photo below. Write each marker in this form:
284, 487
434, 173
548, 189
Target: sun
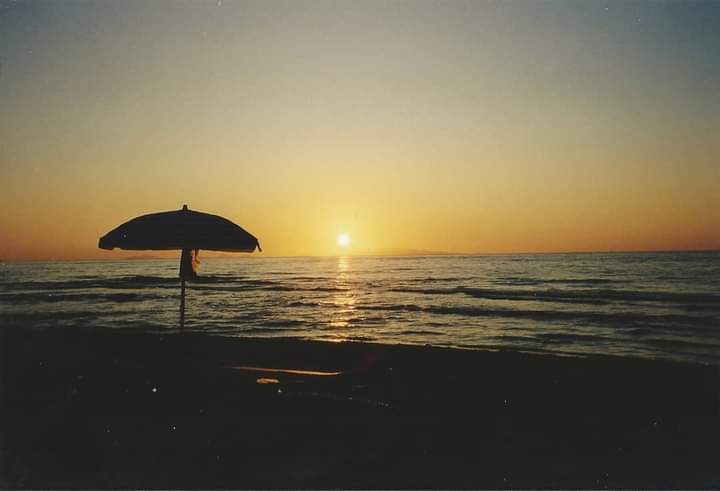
343, 240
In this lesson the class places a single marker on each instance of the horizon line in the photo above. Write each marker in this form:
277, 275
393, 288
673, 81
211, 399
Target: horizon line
420, 253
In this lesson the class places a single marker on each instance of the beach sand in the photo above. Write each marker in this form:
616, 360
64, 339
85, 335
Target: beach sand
121, 409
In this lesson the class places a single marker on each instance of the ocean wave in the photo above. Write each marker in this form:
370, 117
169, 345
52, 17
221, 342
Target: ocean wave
300, 303
29, 319
293, 277
326, 289
513, 338
345, 337
272, 327
569, 337
84, 297
614, 319
676, 342
284, 323
395, 307
248, 317
529, 281
140, 282
440, 279
595, 297
583, 281
419, 332
240, 286
126, 282
268, 285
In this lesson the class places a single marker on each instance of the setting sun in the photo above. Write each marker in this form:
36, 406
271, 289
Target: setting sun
343, 240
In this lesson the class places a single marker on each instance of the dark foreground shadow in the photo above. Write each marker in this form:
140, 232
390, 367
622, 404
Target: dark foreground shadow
131, 410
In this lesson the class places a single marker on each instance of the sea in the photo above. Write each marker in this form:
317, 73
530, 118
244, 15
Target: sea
662, 305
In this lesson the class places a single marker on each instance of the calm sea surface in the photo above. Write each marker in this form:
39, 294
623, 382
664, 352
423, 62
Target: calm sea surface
657, 305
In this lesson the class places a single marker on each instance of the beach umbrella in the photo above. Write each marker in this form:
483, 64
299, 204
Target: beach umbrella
185, 230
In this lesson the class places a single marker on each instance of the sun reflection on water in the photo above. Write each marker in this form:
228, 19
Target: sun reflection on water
345, 296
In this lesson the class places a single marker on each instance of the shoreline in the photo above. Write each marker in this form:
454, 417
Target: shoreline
95, 408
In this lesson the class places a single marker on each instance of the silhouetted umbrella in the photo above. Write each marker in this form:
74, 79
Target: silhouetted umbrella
186, 230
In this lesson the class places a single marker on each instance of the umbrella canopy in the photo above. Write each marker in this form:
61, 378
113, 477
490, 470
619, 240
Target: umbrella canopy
181, 229
186, 230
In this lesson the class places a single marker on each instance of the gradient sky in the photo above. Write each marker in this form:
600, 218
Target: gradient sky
447, 125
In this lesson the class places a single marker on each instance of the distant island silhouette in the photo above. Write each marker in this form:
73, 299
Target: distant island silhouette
404, 252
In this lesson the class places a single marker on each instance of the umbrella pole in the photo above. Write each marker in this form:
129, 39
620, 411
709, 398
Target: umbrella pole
182, 303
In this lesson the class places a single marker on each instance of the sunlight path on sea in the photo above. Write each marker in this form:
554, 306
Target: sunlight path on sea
656, 305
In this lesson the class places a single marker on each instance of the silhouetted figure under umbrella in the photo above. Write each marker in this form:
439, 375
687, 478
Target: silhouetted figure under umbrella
186, 230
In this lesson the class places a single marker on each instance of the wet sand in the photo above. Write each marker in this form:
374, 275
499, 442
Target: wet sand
99, 409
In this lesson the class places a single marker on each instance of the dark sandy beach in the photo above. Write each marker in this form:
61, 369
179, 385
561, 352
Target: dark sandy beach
99, 409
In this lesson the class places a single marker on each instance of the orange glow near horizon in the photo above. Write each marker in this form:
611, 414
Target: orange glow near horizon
481, 127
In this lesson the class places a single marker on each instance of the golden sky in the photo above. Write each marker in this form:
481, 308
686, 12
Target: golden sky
473, 127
